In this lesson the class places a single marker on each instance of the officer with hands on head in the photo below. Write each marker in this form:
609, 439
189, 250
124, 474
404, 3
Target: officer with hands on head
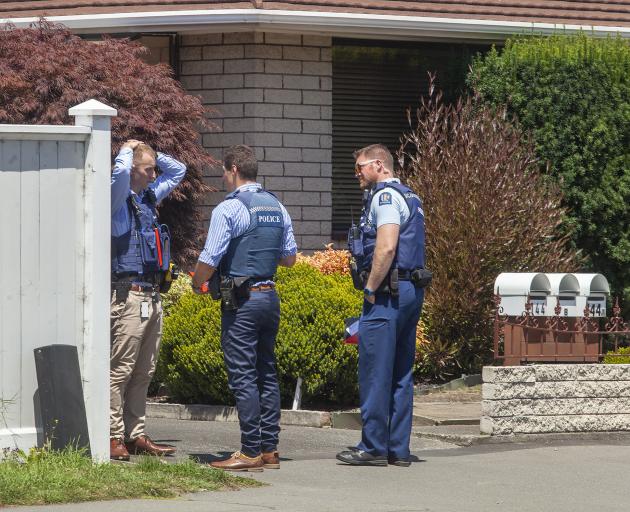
250, 234
140, 180
388, 264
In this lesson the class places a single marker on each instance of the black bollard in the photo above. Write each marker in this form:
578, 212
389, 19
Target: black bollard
61, 404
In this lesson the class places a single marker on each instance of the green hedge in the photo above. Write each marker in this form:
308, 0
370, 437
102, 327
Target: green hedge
621, 356
309, 345
573, 94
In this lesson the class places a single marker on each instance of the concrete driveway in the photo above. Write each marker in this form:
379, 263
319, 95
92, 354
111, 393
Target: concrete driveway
535, 477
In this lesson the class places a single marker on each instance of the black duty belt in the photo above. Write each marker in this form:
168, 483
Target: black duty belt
404, 275
133, 277
126, 286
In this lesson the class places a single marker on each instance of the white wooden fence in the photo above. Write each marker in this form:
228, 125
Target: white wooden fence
55, 264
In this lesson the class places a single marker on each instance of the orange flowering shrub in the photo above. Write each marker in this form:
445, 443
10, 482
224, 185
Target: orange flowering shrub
329, 261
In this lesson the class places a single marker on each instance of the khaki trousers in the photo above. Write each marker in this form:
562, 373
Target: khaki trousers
135, 342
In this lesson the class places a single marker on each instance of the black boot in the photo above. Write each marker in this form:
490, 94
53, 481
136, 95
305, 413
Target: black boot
361, 458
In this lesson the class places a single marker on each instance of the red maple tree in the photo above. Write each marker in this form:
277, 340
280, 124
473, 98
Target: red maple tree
45, 69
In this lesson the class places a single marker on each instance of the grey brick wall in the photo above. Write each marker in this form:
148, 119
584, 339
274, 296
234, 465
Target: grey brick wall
272, 92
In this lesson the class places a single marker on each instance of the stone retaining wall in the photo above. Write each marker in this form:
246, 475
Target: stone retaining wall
555, 399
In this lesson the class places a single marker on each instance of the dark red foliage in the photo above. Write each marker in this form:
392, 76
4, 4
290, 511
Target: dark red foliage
45, 69
488, 210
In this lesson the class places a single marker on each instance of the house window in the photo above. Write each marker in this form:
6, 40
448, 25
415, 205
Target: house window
162, 47
373, 85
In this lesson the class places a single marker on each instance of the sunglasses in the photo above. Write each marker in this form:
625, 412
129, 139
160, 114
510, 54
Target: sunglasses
358, 166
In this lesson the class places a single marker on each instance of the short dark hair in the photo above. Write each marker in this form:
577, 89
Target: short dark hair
244, 158
377, 152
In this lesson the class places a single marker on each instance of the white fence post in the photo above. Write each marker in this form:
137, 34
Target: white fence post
97, 201
55, 252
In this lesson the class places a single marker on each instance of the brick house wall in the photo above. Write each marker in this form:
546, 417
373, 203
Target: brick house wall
272, 92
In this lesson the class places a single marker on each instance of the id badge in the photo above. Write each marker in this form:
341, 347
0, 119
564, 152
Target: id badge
144, 310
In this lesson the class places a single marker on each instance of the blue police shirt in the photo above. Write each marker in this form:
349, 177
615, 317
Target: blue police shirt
388, 207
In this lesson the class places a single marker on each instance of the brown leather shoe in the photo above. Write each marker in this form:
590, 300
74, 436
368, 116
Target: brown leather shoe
117, 450
239, 462
271, 460
144, 445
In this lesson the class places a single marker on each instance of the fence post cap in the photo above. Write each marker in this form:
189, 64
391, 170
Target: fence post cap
92, 108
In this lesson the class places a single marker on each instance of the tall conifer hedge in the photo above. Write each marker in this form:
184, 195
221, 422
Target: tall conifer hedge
572, 93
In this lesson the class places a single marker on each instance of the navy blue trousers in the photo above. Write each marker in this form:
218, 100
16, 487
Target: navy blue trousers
248, 338
387, 345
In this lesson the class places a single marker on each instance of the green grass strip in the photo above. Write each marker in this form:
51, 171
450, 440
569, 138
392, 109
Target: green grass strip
45, 477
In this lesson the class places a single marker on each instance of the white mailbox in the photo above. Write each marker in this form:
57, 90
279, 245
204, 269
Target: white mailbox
565, 289
516, 288
594, 291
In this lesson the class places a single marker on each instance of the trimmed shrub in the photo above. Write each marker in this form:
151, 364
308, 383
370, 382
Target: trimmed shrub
621, 356
179, 287
573, 94
191, 360
45, 69
309, 345
488, 211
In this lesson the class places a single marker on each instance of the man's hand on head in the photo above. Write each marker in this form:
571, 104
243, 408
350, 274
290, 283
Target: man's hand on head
132, 144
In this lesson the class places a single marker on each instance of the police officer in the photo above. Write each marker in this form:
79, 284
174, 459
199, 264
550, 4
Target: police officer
388, 257
140, 260
250, 234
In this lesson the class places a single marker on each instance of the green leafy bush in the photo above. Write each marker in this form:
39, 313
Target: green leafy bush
488, 211
191, 359
572, 93
179, 287
620, 356
309, 345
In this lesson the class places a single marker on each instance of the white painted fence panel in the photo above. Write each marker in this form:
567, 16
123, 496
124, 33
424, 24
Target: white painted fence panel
10, 319
54, 260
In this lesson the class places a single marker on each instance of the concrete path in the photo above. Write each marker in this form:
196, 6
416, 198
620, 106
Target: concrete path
446, 413
534, 477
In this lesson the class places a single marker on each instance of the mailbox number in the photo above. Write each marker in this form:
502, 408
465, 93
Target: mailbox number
595, 308
538, 307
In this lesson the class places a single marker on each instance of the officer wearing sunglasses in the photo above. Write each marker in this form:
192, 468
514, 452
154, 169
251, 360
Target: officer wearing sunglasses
388, 264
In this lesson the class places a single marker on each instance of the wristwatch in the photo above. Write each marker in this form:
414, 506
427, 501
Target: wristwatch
368, 293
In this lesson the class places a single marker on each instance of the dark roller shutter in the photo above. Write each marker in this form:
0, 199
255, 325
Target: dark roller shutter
372, 88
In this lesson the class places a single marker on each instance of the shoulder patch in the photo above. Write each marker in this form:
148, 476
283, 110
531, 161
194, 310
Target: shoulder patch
385, 198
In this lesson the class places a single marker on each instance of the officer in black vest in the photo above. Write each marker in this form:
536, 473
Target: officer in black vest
250, 234
388, 264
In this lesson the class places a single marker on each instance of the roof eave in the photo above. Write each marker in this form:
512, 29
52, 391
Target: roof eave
370, 26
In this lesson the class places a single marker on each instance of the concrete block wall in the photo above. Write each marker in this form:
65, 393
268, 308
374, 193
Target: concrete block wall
272, 92
555, 399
